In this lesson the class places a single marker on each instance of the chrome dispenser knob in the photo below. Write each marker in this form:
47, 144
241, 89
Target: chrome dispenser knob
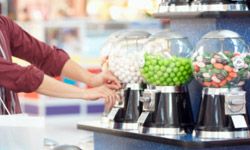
145, 99
120, 102
235, 103
148, 100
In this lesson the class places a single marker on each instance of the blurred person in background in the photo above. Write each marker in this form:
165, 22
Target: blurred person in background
46, 63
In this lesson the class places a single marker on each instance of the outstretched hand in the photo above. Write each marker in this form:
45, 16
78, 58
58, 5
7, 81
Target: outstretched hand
106, 78
110, 96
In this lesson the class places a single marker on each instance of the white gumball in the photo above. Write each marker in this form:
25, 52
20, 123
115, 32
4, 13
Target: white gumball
122, 72
127, 72
121, 79
138, 73
132, 68
126, 80
129, 78
118, 73
135, 79
115, 72
114, 68
132, 74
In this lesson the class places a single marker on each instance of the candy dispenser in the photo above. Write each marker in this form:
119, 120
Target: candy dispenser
167, 69
105, 51
221, 65
125, 60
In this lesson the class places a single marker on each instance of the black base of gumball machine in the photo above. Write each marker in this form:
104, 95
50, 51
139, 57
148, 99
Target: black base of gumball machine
172, 113
126, 115
215, 119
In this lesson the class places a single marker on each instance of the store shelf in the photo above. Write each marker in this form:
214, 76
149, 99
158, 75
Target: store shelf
205, 14
184, 141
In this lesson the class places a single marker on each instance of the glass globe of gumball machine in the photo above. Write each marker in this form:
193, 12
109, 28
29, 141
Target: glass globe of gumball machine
125, 60
167, 70
105, 51
110, 42
221, 65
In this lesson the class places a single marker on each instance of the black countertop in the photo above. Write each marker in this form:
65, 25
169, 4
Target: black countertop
187, 141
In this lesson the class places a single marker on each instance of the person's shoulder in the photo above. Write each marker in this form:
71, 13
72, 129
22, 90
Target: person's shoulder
5, 20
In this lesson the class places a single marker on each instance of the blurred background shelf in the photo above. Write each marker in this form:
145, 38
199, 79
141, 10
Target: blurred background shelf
205, 14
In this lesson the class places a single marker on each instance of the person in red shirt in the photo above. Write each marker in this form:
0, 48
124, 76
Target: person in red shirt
46, 63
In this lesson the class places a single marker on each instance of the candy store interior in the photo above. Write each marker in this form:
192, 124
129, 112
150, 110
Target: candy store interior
183, 65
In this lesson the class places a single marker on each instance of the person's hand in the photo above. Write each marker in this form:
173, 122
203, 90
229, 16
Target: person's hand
110, 96
107, 78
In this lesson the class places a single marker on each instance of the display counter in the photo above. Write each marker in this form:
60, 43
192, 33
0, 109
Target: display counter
193, 26
106, 138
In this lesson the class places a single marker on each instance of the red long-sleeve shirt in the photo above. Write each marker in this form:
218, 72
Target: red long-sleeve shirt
44, 59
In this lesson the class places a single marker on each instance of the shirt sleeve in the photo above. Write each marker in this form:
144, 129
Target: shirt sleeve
19, 79
49, 59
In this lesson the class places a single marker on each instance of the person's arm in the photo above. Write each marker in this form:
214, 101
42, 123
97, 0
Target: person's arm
52, 87
76, 72
51, 60
22, 45
30, 78
19, 79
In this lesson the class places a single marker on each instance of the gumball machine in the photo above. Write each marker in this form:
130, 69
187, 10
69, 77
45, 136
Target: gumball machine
125, 60
105, 51
221, 65
167, 69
